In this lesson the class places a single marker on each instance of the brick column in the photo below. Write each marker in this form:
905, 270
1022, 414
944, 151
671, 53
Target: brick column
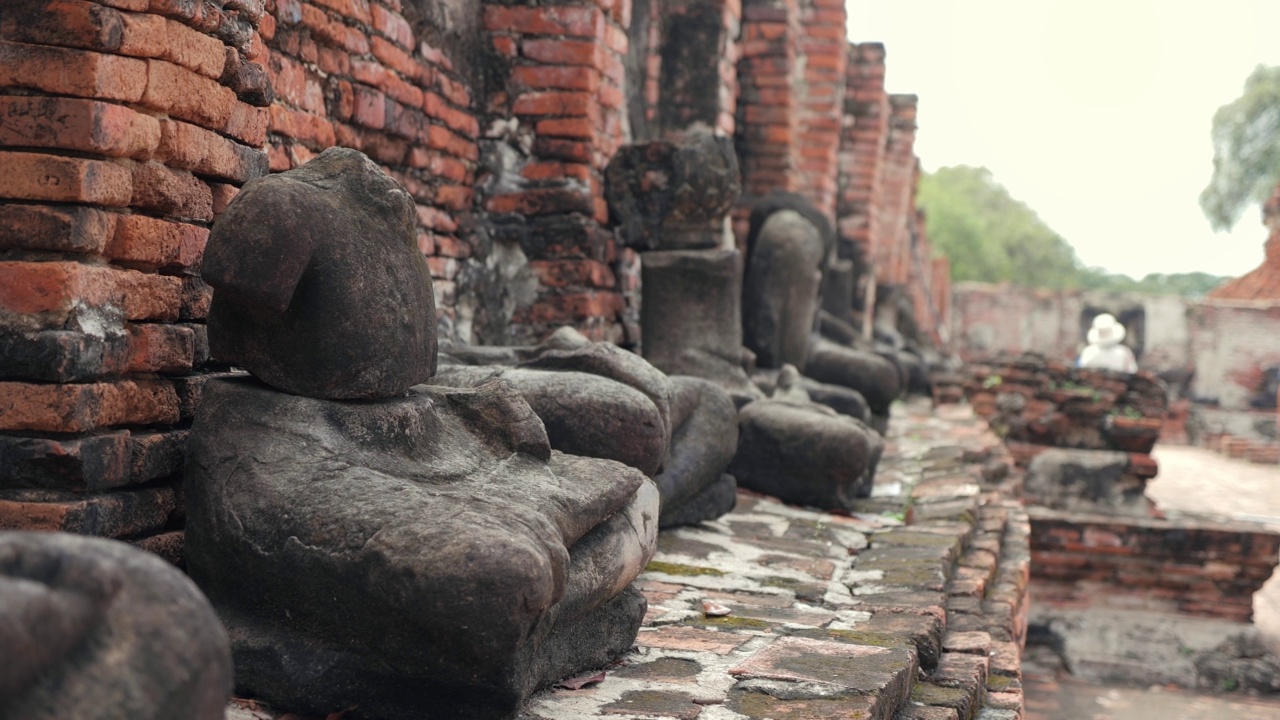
897, 180
942, 298
865, 130
692, 76
555, 117
124, 127
823, 56
768, 116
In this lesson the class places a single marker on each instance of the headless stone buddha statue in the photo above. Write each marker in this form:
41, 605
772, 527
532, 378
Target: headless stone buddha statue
598, 400
95, 629
789, 246
802, 451
371, 542
669, 199
807, 442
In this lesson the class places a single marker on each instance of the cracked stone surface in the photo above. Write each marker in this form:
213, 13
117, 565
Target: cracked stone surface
853, 615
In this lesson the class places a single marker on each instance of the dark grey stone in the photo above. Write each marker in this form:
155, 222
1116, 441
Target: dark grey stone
843, 400
319, 287
424, 556
376, 545
692, 484
597, 400
709, 503
668, 195
1096, 481
838, 286
805, 453
872, 375
584, 414
837, 329
692, 315
780, 289
95, 629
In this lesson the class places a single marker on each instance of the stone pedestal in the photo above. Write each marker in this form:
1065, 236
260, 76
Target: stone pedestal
838, 284
692, 316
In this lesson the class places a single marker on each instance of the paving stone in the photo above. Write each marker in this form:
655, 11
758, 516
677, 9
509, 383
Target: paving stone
867, 669
654, 702
974, 643
813, 617
734, 599
1006, 700
687, 638
926, 712
973, 587
964, 604
668, 669
821, 569
760, 705
957, 699
674, 544
1005, 659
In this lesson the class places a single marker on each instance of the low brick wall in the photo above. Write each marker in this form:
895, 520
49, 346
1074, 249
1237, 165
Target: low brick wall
1209, 569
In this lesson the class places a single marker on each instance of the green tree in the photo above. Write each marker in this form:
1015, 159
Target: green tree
1246, 150
988, 235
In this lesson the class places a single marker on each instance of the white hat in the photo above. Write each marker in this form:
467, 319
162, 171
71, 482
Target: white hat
1106, 330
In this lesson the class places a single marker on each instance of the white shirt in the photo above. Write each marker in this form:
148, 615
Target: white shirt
1108, 357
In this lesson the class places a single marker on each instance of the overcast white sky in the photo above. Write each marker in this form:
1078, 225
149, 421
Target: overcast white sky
1096, 113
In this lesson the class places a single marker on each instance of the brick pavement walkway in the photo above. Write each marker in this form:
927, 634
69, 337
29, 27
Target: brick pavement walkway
860, 616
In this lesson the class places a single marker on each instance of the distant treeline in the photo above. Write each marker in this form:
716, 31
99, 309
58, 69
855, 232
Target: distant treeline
988, 236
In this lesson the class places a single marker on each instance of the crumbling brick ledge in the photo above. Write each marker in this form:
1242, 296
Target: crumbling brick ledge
913, 608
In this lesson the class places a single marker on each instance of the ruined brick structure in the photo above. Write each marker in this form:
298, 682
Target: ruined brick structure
1218, 349
126, 126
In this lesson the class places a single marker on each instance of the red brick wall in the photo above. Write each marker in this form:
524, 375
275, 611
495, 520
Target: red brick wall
824, 58
690, 73
862, 146
898, 175
125, 126
1232, 343
768, 116
353, 73
1208, 570
556, 117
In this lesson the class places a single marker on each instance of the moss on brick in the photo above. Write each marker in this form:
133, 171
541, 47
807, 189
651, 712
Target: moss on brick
682, 570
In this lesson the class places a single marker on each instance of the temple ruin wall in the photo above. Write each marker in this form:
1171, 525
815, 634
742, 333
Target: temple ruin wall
126, 126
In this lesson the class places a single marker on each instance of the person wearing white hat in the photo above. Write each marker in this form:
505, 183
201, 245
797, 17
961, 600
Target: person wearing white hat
1106, 349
